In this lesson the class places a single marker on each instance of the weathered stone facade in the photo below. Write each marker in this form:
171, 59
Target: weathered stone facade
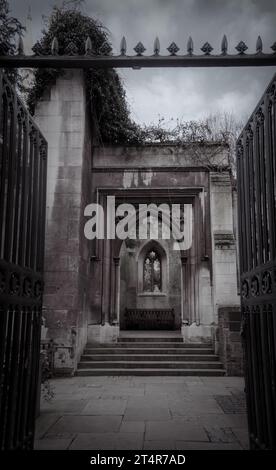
229, 340
88, 284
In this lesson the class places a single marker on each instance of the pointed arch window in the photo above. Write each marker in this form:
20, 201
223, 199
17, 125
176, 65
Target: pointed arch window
152, 272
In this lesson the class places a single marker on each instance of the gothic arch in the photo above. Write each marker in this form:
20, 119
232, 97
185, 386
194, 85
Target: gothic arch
146, 248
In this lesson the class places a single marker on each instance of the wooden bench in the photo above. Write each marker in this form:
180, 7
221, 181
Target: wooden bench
149, 319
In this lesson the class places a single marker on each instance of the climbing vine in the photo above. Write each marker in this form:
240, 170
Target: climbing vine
104, 87
106, 94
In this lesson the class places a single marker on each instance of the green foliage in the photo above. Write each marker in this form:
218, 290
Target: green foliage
104, 88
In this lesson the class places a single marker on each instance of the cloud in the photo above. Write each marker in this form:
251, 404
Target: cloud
182, 93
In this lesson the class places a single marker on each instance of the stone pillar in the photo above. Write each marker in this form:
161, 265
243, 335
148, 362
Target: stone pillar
224, 243
63, 117
184, 303
116, 318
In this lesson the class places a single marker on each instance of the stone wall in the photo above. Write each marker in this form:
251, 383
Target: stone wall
64, 120
82, 278
229, 340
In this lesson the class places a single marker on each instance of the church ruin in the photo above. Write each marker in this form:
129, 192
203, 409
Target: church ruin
96, 289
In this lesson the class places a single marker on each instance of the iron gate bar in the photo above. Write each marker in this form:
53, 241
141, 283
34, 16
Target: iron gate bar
256, 172
86, 62
23, 164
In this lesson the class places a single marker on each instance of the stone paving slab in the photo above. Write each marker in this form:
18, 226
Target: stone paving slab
111, 441
52, 444
133, 426
159, 445
65, 406
151, 413
105, 406
180, 445
44, 422
83, 424
174, 429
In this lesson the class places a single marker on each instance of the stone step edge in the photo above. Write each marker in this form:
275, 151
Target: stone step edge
155, 343
155, 372
191, 350
157, 356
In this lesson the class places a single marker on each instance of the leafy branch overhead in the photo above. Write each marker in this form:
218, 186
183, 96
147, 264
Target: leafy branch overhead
68, 30
104, 88
10, 29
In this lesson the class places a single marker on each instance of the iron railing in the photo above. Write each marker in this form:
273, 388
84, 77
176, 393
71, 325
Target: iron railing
256, 160
22, 224
72, 56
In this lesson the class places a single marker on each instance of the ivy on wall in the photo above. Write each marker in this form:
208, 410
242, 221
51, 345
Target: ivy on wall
104, 88
106, 94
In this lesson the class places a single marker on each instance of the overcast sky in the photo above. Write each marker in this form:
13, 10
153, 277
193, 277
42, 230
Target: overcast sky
181, 93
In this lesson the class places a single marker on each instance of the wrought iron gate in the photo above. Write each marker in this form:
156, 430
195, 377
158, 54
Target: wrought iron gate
256, 160
23, 154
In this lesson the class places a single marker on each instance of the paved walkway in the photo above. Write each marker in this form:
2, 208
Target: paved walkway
170, 413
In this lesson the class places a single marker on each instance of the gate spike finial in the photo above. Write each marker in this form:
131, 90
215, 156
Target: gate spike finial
156, 46
207, 48
88, 46
224, 45
54, 46
123, 46
241, 47
139, 48
20, 47
259, 44
190, 46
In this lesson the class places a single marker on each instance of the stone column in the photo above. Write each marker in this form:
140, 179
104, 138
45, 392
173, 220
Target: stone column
116, 318
63, 117
224, 243
184, 303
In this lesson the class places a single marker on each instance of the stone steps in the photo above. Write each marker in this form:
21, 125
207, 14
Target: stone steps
143, 364
156, 345
150, 355
148, 350
151, 372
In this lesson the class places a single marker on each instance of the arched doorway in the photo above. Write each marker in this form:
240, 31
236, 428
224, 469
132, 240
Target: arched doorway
150, 285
